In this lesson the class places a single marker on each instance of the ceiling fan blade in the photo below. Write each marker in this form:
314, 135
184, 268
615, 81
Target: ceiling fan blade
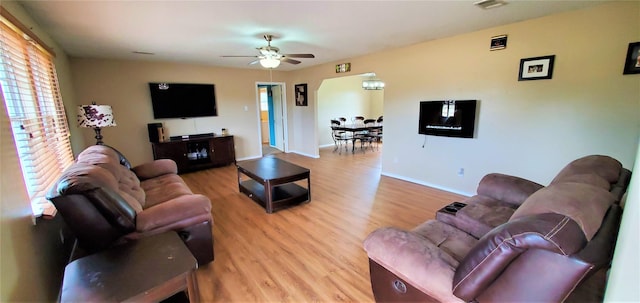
290, 61
239, 56
254, 62
299, 55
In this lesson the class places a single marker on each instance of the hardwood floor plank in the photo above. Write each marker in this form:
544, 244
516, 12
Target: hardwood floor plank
311, 252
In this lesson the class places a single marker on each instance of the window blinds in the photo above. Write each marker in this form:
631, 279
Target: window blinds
36, 112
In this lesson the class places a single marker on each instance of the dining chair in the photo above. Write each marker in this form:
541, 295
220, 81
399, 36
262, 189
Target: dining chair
339, 137
371, 135
379, 121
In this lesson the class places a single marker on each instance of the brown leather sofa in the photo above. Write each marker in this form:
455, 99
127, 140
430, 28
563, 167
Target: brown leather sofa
523, 243
104, 202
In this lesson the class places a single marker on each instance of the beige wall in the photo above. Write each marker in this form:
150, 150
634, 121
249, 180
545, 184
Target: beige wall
124, 86
344, 97
527, 128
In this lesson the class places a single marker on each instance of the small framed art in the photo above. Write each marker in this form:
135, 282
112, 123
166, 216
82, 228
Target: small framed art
536, 68
632, 61
301, 94
343, 68
498, 42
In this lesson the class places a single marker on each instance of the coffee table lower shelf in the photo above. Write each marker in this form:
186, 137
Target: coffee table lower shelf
282, 196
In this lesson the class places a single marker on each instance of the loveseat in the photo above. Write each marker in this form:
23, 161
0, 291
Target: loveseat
516, 240
104, 202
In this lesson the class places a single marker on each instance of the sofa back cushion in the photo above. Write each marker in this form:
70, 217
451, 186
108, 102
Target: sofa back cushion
510, 189
584, 203
127, 183
80, 178
603, 166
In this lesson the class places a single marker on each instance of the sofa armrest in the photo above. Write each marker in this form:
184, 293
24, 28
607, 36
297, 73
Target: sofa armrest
111, 205
155, 168
415, 259
168, 213
495, 251
510, 189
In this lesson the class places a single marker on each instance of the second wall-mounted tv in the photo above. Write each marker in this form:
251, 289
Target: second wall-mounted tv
183, 100
450, 118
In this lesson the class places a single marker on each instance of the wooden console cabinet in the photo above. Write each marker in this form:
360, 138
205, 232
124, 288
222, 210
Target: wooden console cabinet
196, 154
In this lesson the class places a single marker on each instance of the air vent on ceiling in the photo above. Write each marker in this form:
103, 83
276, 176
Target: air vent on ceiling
487, 4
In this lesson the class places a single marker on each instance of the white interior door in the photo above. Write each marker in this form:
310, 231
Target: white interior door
278, 114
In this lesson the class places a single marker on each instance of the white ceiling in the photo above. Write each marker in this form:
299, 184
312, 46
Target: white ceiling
201, 32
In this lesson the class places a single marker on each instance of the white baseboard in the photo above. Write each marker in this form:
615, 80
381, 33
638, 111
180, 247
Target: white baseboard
305, 154
455, 191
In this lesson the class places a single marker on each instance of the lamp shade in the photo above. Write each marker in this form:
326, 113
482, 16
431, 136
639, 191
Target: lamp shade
269, 62
95, 116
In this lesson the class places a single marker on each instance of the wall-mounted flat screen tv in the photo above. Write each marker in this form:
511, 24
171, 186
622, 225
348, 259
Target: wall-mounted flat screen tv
450, 118
183, 100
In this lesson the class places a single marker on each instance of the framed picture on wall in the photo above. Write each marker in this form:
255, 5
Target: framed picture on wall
632, 62
536, 68
301, 94
498, 42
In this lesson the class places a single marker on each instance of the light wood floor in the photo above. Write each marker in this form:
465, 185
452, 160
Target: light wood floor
311, 252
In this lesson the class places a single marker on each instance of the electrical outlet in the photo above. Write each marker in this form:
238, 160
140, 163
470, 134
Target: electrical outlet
461, 172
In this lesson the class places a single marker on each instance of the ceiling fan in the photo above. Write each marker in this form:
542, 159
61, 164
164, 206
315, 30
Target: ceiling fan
270, 56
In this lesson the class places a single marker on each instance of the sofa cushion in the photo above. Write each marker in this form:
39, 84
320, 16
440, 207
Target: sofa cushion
155, 168
451, 240
108, 158
604, 166
415, 259
587, 178
82, 177
510, 189
164, 188
586, 204
482, 214
193, 209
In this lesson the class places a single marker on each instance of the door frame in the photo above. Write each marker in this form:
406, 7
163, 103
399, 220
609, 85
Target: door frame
285, 124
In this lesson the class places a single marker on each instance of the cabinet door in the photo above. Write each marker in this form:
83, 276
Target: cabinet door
176, 151
223, 151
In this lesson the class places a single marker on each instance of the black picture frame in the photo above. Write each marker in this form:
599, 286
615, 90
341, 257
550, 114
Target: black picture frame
498, 42
536, 68
632, 61
301, 94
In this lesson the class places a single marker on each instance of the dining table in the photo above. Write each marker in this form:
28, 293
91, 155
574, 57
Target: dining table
355, 129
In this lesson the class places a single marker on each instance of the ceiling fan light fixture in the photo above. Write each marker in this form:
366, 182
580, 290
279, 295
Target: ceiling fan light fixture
269, 62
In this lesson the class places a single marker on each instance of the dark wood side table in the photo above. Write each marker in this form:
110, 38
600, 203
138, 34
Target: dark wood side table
147, 270
271, 182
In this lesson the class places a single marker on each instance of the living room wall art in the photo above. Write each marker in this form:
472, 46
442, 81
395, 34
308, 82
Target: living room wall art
536, 68
301, 94
498, 42
632, 62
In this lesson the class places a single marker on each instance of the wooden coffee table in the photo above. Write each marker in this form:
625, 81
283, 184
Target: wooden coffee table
270, 182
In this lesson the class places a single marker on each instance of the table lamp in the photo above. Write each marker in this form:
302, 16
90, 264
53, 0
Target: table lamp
96, 117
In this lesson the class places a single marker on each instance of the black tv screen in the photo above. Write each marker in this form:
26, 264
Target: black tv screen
450, 118
183, 100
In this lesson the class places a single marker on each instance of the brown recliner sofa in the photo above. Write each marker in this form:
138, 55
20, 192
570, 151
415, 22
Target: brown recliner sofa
545, 247
104, 201
499, 195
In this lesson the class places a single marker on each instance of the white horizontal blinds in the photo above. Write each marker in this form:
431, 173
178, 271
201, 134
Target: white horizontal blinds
36, 112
